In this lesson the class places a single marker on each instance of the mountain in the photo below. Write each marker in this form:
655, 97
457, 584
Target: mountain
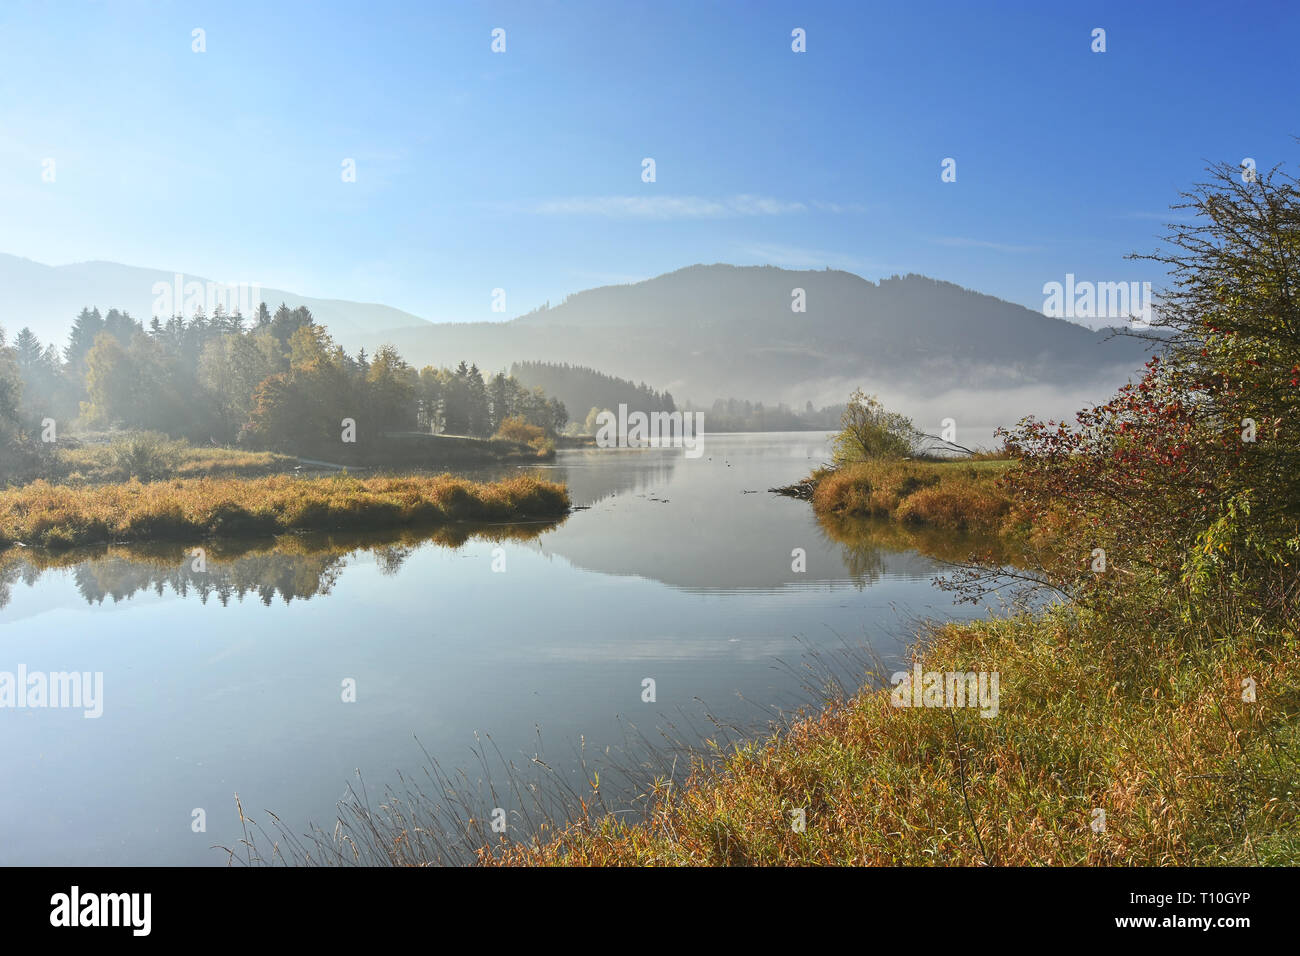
47, 298
714, 331
703, 332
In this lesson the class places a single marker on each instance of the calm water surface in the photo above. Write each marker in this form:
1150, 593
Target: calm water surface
230, 680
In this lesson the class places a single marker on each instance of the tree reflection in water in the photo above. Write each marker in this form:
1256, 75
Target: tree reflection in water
290, 566
865, 544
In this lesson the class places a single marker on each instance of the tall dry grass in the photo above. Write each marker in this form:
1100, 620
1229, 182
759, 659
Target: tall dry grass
1134, 713
61, 516
150, 457
962, 496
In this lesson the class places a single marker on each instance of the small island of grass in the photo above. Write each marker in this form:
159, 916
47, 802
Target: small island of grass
55, 516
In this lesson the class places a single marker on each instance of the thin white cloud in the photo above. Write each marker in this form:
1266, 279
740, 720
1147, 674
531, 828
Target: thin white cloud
962, 242
837, 207
666, 207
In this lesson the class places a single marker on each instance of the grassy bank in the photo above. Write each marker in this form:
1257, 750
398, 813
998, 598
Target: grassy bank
156, 457
1142, 718
150, 456
421, 450
60, 516
948, 495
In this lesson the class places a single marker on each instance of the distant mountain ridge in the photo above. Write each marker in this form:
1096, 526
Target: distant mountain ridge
47, 298
706, 332
702, 332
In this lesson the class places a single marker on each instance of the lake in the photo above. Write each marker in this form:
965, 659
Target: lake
231, 678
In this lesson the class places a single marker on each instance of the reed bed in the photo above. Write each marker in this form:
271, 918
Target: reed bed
148, 456
960, 496
44, 515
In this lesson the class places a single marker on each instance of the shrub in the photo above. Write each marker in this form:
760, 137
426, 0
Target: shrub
868, 430
517, 429
147, 456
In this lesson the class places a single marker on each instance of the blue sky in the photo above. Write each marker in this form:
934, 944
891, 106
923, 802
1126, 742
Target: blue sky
522, 170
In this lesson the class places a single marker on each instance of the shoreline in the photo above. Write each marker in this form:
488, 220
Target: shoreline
1083, 765
1121, 738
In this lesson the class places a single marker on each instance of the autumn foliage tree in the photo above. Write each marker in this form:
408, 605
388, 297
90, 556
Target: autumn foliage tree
304, 408
869, 430
279, 383
1191, 476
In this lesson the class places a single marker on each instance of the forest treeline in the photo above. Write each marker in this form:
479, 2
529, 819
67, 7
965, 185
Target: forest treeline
585, 390
582, 389
735, 415
279, 382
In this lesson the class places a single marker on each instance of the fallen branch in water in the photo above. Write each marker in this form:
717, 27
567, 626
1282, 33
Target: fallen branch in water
802, 489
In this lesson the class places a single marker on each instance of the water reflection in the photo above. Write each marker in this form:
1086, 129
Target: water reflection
706, 526
286, 566
229, 679
874, 547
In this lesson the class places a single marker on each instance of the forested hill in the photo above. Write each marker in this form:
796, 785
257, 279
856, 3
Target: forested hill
708, 332
582, 389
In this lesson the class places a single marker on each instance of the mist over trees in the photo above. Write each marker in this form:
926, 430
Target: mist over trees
277, 382
735, 415
712, 331
11, 387
581, 388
